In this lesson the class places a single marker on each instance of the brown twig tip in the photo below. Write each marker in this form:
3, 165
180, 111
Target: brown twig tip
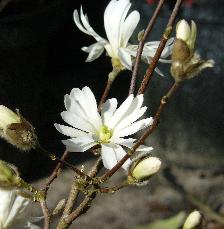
141, 46
159, 51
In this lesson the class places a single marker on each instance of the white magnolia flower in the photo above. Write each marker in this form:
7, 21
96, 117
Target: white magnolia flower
11, 205
108, 129
119, 27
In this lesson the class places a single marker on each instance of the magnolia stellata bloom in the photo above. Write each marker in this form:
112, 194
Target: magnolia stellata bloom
11, 205
119, 27
107, 128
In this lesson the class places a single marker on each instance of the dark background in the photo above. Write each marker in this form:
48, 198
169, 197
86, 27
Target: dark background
41, 60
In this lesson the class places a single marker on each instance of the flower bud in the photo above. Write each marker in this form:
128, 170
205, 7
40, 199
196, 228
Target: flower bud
8, 176
7, 117
16, 130
186, 63
186, 33
143, 168
193, 220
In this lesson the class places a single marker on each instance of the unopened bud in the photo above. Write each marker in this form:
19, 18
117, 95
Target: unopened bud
186, 63
186, 33
16, 130
8, 176
193, 220
143, 168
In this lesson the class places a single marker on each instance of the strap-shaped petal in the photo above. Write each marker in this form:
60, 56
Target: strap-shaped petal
107, 110
125, 58
95, 50
129, 26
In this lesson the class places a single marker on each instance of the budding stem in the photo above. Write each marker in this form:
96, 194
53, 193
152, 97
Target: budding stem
55, 158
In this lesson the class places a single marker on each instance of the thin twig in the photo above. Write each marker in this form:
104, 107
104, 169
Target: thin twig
165, 37
106, 92
46, 213
141, 46
73, 194
82, 208
55, 158
111, 77
64, 223
55, 173
114, 189
149, 130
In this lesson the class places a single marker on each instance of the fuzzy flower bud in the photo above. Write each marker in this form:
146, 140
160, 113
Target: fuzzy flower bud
143, 168
193, 220
8, 176
186, 63
16, 130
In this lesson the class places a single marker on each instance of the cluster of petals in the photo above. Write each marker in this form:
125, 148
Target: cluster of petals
107, 128
119, 27
11, 205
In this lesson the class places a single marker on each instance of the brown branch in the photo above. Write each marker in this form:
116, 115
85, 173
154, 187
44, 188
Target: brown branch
114, 189
111, 77
64, 222
165, 37
55, 173
149, 130
46, 214
55, 158
105, 93
82, 208
141, 46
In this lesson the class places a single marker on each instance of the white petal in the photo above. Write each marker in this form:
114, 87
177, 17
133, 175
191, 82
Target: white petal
80, 144
69, 131
86, 100
130, 142
120, 153
133, 113
78, 23
129, 26
11, 205
94, 50
18, 206
124, 141
91, 107
6, 201
114, 16
108, 109
108, 156
120, 112
144, 148
85, 28
159, 72
74, 106
133, 128
77, 122
125, 58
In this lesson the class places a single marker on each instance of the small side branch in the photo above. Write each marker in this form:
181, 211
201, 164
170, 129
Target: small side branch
46, 213
162, 44
141, 46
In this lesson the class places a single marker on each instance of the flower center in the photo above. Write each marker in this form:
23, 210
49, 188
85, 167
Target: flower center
117, 64
105, 134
